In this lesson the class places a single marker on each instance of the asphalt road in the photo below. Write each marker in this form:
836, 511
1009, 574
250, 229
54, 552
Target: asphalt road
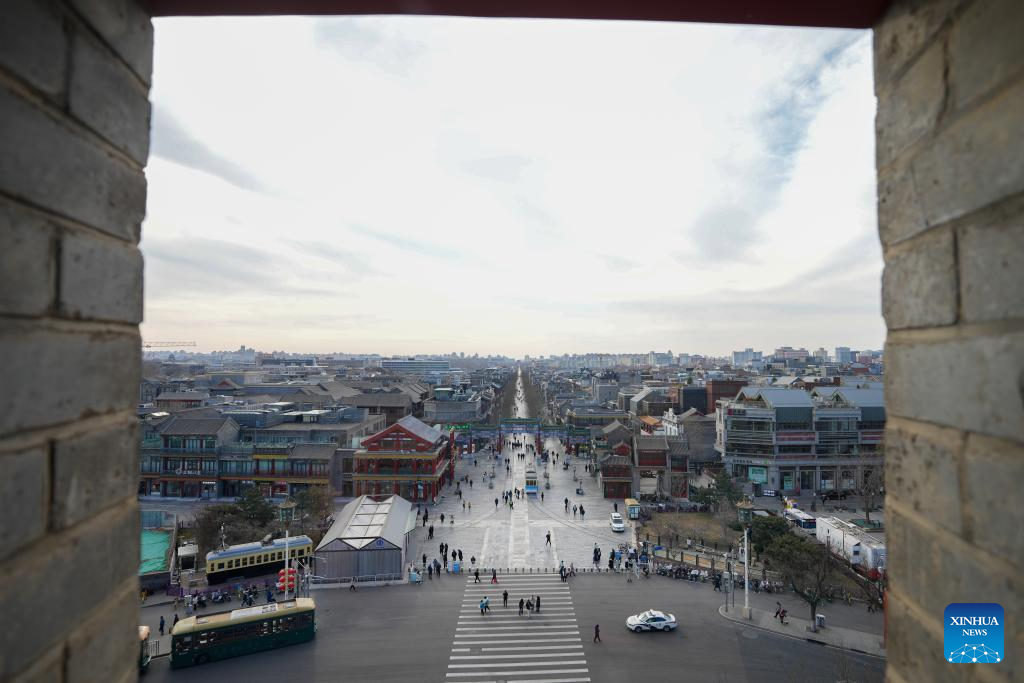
406, 633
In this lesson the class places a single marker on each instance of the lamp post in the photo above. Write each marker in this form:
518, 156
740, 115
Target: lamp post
286, 511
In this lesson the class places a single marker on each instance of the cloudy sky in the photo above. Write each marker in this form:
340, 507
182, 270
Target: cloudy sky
408, 184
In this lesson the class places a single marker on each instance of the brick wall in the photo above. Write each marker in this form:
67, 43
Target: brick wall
74, 83
949, 76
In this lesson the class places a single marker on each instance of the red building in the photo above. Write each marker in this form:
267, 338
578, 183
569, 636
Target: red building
722, 388
409, 459
617, 475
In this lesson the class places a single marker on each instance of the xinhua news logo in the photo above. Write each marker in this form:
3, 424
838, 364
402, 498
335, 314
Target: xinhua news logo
974, 633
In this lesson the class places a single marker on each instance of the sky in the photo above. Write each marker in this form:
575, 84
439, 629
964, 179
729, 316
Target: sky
411, 185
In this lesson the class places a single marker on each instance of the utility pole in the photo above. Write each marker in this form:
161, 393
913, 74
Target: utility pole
746, 572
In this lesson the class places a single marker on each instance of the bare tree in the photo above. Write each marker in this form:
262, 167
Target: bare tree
871, 489
807, 567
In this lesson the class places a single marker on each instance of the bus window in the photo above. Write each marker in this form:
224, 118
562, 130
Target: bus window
280, 554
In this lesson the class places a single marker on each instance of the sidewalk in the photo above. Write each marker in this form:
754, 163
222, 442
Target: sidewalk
836, 636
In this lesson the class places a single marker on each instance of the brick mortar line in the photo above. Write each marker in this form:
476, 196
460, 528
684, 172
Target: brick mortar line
43, 546
964, 331
21, 325
82, 21
65, 118
988, 217
908, 63
24, 439
951, 119
60, 221
994, 562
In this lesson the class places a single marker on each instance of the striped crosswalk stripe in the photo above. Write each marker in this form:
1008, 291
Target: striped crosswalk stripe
501, 645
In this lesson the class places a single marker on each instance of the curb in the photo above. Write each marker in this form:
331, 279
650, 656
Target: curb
816, 641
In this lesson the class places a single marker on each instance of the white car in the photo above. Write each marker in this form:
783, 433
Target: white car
617, 523
652, 620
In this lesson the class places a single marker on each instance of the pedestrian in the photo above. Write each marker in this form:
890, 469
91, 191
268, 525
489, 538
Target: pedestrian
782, 617
440, 549
460, 554
542, 496
174, 622
424, 560
442, 518
430, 532
582, 512
504, 599
597, 633
522, 604
537, 603
470, 507
451, 520
476, 576
529, 609
161, 624
548, 536
494, 576
430, 571
574, 508
463, 506
495, 503
778, 609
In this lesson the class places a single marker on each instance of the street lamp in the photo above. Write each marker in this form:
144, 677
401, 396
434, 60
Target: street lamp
286, 512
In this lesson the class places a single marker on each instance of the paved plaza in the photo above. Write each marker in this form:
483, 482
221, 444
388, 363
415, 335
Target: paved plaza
516, 538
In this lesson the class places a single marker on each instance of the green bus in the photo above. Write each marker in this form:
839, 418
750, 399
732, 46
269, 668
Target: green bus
206, 637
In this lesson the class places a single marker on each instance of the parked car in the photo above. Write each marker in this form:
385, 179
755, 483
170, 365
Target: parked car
834, 495
616, 522
652, 620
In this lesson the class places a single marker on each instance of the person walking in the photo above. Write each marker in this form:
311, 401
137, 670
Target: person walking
430, 532
504, 599
174, 622
548, 536
597, 633
495, 503
582, 512
442, 518
778, 609
522, 604
476, 576
161, 624
537, 603
494, 576
529, 609
460, 554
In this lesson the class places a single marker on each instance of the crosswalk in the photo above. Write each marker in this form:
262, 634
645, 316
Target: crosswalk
504, 647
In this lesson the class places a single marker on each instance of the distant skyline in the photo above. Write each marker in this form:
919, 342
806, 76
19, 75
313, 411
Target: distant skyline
411, 185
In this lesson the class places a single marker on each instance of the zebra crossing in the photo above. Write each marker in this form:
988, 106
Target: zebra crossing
504, 647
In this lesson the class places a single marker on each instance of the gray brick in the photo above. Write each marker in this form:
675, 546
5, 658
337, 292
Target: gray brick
986, 48
57, 168
911, 108
62, 376
100, 279
991, 269
33, 44
996, 518
93, 471
919, 285
933, 568
111, 637
62, 582
127, 28
921, 471
907, 27
915, 651
900, 215
971, 383
25, 490
975, 162
49, 668
27, 271
107, 97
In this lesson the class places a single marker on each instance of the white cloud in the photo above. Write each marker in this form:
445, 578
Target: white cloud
407, 184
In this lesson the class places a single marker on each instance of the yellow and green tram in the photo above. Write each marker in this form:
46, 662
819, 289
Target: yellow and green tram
254, 559
208, 637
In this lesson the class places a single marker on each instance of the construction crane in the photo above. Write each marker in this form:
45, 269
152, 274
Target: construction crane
167, 345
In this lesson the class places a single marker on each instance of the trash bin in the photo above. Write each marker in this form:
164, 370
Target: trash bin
819, 620
456, 567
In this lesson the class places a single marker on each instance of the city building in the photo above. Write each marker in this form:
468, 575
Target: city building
792, 440
419, 367
452, 406
594, 416
409, 459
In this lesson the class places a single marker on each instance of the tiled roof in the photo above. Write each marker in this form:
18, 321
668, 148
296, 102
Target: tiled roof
184, 426
420, 429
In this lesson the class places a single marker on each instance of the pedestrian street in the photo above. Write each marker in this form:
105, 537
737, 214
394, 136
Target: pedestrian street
512, 641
